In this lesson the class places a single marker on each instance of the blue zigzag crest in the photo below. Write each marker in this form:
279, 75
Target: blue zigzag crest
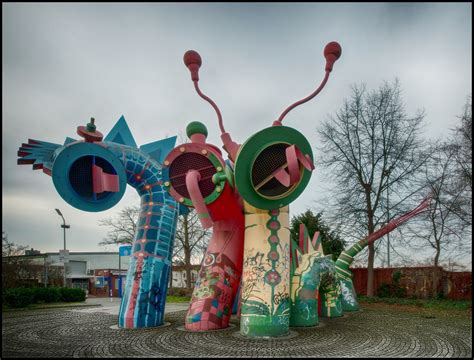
157, 150
40, 153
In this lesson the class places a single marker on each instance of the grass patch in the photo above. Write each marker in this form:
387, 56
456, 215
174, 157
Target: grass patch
42, 306
177, 299
434, 304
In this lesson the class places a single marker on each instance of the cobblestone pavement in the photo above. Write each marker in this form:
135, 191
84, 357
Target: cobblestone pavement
112, 306
369, 333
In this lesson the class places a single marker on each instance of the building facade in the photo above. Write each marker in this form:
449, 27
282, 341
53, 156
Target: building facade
97, 273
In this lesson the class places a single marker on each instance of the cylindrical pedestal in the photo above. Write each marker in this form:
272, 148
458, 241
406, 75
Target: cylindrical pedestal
211, 304
348, 295
305, 291
265, 292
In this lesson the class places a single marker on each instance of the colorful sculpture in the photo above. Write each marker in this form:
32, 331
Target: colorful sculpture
197, 176
91, 175
250, 259
317, 277
272, 168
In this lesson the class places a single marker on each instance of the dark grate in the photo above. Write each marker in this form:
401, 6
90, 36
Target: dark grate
269, 160
192, 161
80, 176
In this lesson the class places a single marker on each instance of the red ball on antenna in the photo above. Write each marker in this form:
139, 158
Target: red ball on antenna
192, 57
332, 52
193, 62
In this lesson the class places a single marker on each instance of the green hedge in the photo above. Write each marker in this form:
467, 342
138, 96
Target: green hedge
18, 298
22, 297
47, 295
393, 290
72, 295
180, 292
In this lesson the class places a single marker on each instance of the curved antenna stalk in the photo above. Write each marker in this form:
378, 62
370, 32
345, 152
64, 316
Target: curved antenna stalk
347, 256
193, 62
332, 52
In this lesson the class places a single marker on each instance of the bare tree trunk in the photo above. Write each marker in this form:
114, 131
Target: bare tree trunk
187, 251
187, 257
370, 271
370, 261
435, 272
171, 274
370, 264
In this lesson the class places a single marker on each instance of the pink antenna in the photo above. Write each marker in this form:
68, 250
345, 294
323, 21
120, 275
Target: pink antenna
193, 62
400, 220
332, 52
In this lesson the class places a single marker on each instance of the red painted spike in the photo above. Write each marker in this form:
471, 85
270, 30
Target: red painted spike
294, 254
37, 166
35, 142
23, 153
301, 239
27, 146
47, 171
315, 241
25, 161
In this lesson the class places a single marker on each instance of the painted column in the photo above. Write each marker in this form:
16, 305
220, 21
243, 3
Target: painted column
305, 291
265, 308
144, 295
213, 296
92, 175
330, 290
348, 294
197, 176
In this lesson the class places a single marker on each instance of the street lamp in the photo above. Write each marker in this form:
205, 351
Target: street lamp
64, 226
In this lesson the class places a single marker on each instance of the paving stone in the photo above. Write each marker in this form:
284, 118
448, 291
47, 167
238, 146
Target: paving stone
371, 333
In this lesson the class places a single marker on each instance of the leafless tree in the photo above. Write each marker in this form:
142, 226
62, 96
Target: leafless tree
10, 249
122, 228
445, 230
191, 242
369, 147
462, 141
190, 239
10, 261
441, 229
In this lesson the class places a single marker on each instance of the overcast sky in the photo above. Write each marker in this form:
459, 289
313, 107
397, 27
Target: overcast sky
64, 63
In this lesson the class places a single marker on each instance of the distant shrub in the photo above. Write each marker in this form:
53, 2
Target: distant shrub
72, 295
180, 292
18, 297
22, 297
47, 295
393, 290
383, 290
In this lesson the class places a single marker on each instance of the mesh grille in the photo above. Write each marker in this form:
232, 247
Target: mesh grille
80, 176
269, 160
192, 161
